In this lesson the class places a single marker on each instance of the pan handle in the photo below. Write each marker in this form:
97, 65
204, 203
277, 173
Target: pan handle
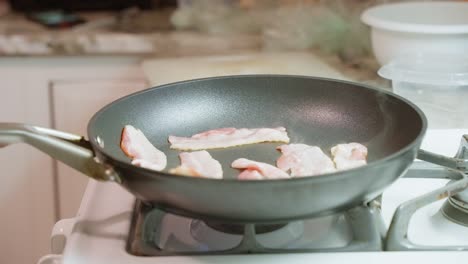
459, 162
73, 150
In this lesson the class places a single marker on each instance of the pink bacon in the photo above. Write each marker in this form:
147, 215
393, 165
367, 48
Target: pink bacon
198, 164
229, 137
304, 160
350, 155
143, 154
254, 170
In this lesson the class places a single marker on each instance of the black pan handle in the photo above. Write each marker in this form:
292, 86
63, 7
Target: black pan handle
73, 150
459, 162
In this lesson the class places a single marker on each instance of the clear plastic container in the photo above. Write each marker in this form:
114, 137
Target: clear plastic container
438, 84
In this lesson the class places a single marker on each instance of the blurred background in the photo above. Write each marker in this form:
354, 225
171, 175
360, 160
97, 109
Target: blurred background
61, 61
51, 27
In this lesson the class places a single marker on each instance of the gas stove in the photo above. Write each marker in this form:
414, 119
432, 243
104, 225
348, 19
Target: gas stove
156, 233
421, 217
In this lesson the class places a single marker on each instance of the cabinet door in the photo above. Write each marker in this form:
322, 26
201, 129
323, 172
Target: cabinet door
73, 104
26, 176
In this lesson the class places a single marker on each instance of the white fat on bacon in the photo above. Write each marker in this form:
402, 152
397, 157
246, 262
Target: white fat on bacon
143, 154
348, 156
198, 164
254, 170
304, 160
229, 137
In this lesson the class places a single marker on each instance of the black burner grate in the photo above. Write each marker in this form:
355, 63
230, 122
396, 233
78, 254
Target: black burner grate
362, 226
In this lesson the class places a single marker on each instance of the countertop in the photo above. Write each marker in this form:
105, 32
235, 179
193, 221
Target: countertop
147, 34
110, 33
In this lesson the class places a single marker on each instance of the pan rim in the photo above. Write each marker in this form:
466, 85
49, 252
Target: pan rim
334, 175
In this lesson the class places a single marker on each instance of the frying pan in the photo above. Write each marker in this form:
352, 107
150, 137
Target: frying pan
315, 111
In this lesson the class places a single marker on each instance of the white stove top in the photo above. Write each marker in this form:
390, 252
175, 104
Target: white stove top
103, 220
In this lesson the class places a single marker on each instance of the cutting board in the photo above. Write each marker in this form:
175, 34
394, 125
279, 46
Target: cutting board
162, 71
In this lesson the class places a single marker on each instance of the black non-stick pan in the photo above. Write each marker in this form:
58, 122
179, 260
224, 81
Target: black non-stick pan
315, 111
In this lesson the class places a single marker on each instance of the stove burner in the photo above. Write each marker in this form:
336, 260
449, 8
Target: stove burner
237, 229
456, 208
215, 239
157, 233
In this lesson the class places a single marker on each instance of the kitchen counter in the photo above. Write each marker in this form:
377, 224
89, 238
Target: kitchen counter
105, 33
160, 71
149, 35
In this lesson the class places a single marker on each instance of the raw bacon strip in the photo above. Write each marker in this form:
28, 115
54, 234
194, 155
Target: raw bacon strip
255, 170
136, 146
304, 160
250, 175
198, 164
229, 137
348, 156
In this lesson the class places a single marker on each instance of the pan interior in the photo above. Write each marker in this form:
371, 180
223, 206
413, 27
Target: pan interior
314, 111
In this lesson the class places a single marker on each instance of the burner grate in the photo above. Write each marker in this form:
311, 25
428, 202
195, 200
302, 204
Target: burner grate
364, 225
397, 236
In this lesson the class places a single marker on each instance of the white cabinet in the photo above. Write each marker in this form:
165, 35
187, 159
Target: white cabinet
74, 103
27, 207
62, 93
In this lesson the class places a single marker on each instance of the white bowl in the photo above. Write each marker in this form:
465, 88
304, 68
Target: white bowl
440, 89
408, 28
